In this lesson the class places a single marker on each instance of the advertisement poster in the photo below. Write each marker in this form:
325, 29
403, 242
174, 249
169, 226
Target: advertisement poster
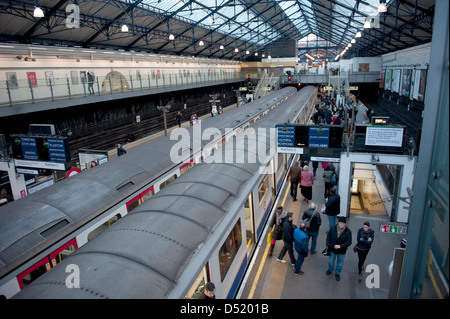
49, 79
395, 87
382, 78
406, 82
32, 78
363, 67
388, 80
422, 84
11, 78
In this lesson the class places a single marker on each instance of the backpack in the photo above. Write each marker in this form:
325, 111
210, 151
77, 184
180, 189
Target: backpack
333, 179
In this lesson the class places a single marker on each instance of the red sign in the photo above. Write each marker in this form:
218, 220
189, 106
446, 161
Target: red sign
32, 78
72, 171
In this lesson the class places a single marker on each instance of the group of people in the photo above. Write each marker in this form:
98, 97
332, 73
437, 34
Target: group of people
339, 236
300, 176
338, 240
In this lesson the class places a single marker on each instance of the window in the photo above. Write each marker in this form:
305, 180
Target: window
167, 182
262, 189
103, 227
229, 249
199, 283
63, 254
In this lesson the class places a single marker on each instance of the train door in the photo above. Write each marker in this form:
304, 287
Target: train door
34, 272
199, 283
249, 225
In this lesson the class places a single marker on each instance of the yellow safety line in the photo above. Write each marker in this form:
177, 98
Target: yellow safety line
261, 265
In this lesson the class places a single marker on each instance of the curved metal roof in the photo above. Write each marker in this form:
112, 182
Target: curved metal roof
248, 25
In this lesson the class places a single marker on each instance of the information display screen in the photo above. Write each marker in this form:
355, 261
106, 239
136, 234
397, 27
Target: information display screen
36, 148
310, 140
381, 138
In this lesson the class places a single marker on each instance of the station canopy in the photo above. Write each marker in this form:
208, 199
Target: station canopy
221, 29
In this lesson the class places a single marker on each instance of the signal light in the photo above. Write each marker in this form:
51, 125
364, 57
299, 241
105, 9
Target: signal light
289, 77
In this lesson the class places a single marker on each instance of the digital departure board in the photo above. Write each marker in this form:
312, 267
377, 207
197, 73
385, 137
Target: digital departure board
37, 148
320, 140
380, 138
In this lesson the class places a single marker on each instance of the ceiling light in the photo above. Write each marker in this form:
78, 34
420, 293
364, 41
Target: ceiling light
236, 50
201, 43
367, 24
171, 37
269, 57
353, 41
263, 55
349, 45
382, 7
124, 28
247, 52
358, 34
38, 13
222, 47
256, 53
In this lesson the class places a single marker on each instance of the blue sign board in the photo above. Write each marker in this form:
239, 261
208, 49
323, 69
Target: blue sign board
29, 148
319, 137
286, 135
58, 150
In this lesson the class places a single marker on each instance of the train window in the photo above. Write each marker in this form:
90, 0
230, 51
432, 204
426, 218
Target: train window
147, 195
229, 249
249, 228
186, 167
199, 283
63, 254
34, 272
103, 226
133, 205
280, 161
263, 189
167, 182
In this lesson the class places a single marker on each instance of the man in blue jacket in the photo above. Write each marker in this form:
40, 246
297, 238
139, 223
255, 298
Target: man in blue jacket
301, 241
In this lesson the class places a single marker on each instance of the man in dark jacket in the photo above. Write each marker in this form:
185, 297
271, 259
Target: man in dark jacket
294, 175
288, 239
339, 238
313, 222
333, 207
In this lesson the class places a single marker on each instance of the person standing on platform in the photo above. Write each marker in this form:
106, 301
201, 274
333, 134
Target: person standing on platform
306, 183
315, 167
329, 170
364, 243
294, 175
313, 221
301, 240
277, 226
120, 150
179, 117
288, 239
339, 238
90, 83
332, 207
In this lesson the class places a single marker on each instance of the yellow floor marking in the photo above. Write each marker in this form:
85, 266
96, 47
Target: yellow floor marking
261, 265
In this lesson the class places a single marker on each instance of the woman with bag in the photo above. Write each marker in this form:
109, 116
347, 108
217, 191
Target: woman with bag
277, 227
364, 243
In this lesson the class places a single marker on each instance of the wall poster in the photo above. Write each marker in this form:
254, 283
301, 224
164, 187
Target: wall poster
49, 79
11, 79
383, 71
388, 81
395, 87
406, 82
74, 77
363, 67
422, 85
32, 80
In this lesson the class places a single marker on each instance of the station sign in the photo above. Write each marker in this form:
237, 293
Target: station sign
328, 88
243, 88
310, 140
38, 148
353, 88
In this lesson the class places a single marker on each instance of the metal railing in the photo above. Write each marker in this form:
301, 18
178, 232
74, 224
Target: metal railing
13, 91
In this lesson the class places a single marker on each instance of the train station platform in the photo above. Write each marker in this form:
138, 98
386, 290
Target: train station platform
271, 279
